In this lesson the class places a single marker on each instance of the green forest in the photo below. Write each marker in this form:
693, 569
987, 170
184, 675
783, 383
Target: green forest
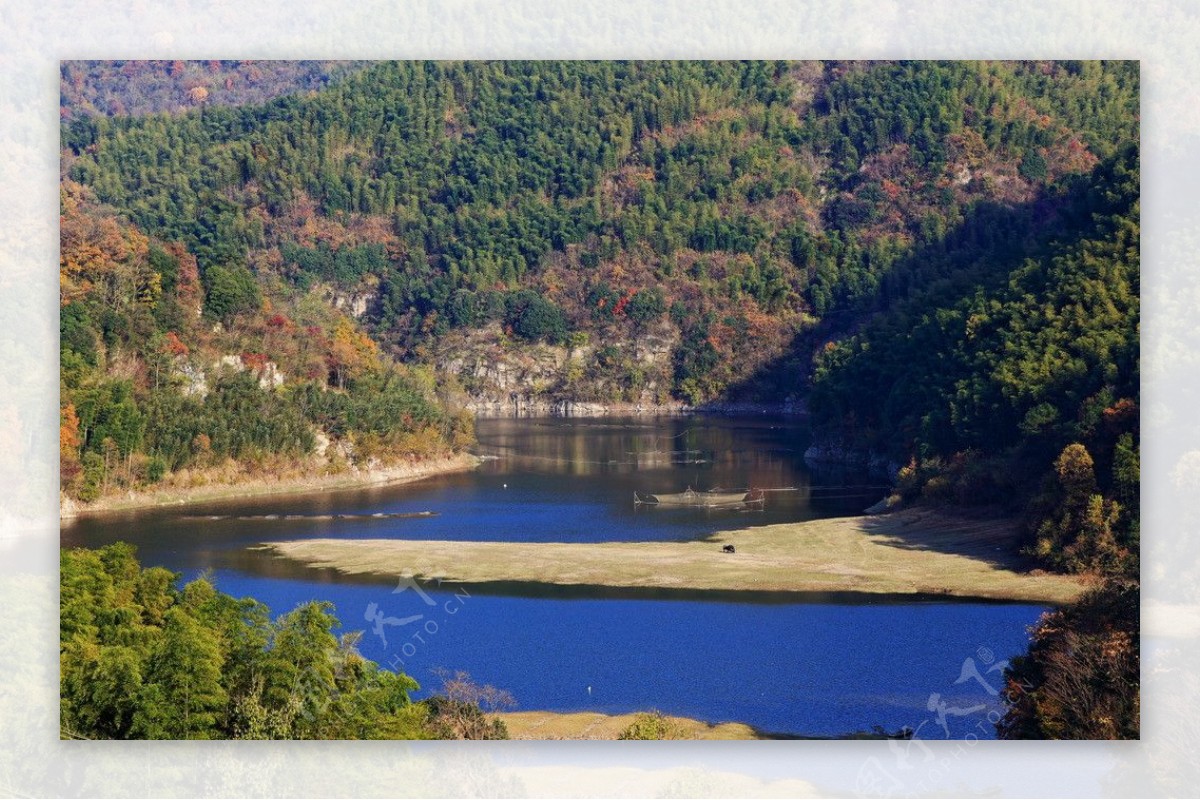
760, 198
143, 658
266, 270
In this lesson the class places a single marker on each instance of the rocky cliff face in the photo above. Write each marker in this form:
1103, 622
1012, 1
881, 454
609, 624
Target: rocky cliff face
193, 378
355, 302
503, 376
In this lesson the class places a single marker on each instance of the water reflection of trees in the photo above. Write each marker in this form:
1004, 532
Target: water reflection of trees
668, 454
576, 447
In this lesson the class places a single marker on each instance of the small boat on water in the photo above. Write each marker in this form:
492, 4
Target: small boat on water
691, 497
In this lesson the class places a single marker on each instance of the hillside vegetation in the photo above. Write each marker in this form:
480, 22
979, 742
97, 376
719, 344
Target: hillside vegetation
170, 373
728, 206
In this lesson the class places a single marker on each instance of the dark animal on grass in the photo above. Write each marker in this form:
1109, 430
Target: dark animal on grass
728, 549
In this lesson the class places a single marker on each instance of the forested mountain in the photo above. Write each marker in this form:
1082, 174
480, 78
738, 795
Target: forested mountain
727, 206
1027, 349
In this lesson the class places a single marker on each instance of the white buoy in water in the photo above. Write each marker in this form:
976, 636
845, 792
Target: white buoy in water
506, 486
589, 690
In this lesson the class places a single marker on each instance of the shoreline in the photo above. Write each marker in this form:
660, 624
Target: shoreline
917, 554
600, 726
541, 725
266, 486
354, 478
585, 409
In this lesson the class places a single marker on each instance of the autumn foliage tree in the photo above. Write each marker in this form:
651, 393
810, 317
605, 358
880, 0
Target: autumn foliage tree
69, 466
351, 352
1082, 532
99, 255
1081, 677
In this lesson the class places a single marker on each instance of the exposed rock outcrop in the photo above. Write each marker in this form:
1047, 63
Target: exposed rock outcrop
356, 302
503, 376
193, 380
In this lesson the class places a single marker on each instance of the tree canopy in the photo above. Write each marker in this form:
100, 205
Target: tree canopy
144, 658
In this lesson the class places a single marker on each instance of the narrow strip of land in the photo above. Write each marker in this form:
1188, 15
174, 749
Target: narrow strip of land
224, 487
918, 552
597, 725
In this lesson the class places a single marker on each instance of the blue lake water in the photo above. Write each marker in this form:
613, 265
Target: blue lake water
833, 667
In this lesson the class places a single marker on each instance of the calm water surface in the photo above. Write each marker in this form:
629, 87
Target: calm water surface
819, 668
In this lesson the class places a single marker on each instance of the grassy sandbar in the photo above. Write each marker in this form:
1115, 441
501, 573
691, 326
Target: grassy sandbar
919, 552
